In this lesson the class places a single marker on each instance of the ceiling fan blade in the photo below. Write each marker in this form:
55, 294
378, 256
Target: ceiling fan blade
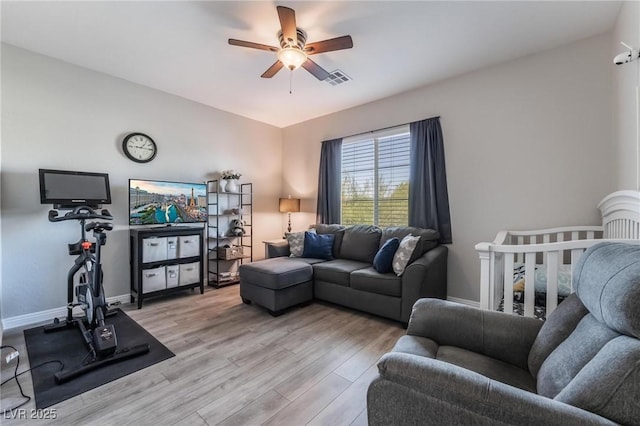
315, 69
288, 24
273, 69
242, 43
337, 43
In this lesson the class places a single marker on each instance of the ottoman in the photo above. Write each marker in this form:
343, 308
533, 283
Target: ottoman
276, 283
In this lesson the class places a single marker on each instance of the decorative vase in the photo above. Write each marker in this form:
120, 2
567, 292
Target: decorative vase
232, 185
221, 185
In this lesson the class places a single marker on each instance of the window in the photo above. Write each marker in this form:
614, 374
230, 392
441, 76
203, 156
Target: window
375, 178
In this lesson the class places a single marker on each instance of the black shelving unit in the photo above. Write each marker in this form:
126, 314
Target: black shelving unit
223, 207
174, 262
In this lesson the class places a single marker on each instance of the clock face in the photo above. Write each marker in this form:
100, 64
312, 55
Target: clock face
139, 147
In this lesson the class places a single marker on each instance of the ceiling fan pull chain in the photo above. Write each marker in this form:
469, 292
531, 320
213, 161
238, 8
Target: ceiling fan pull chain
290, 81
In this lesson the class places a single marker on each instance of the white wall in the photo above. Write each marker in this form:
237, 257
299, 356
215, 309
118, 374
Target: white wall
527, 145
1, 325
60, 116
626, 79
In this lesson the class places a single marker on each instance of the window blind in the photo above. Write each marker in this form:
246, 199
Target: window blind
375, 178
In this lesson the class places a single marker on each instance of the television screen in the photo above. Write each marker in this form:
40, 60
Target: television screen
153, 202
66, 189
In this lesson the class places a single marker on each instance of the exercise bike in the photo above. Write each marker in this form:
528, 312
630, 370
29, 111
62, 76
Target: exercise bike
99, 336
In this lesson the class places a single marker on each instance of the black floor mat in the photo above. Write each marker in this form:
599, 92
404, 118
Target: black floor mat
68, 347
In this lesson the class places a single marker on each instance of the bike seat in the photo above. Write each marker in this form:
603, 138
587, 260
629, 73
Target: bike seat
98, 226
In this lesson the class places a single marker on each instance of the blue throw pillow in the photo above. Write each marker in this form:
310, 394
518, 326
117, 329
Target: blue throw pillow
383, 260
318, 246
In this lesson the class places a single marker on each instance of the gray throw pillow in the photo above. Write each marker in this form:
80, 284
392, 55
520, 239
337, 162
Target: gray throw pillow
296, 242
403, 254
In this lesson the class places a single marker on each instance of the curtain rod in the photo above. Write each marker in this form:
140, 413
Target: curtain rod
383, 128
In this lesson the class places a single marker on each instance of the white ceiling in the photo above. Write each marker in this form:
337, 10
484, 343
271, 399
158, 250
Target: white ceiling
180, 47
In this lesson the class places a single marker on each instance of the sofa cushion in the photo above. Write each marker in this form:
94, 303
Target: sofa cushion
487, 366
336, 230
276, 273
609, 384
309, 260
337, 271
296, 242
323, 228
558, 326
382, 262
361, 243
403, 255
416, 345
318, 246
562, 365
607, 280
428, 238
368, 279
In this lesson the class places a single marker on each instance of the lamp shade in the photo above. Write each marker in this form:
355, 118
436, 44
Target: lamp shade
289, 205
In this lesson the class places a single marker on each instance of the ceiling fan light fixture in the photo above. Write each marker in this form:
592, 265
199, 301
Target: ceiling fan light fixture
292, 57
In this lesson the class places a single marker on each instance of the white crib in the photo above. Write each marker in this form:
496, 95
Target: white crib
547, 257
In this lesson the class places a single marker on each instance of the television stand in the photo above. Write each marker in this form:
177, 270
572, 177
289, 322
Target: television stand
165, 260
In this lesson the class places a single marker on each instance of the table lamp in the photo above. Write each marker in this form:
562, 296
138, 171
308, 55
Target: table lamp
289, 205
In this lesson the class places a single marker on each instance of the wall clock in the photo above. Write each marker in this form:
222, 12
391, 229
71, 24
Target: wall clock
139, 147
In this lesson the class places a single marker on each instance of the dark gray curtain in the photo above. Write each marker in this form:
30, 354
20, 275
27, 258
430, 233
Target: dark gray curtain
428, 196
329, 182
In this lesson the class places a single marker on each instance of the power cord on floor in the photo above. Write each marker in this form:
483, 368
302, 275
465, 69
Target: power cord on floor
16, 375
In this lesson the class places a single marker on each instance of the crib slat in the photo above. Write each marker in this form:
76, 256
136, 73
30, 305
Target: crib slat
520, 240
508, 283
498, 279
529, 287
552, 281
575, 235
590, 235
545, 239
575, 256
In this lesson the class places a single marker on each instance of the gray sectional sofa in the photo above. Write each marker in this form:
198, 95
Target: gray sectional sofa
349, 279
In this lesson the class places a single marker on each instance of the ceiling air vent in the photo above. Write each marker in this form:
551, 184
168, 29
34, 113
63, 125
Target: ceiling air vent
337, 77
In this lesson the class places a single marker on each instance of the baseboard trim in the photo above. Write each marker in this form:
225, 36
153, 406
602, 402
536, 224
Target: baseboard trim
464, 301
50, 314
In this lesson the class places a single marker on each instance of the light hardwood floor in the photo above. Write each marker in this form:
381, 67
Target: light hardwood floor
236, 365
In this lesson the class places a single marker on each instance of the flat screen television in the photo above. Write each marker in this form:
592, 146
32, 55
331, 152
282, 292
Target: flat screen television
153, 202
69, 189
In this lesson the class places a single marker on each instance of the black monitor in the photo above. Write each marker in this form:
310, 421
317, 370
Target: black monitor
67, 189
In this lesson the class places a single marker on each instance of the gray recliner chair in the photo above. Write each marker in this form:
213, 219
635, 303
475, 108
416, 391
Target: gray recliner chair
461, 365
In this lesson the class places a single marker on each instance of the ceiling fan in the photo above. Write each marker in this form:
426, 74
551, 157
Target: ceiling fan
294, 50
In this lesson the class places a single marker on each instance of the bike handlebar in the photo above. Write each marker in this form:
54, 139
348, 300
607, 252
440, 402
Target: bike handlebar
80, 213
